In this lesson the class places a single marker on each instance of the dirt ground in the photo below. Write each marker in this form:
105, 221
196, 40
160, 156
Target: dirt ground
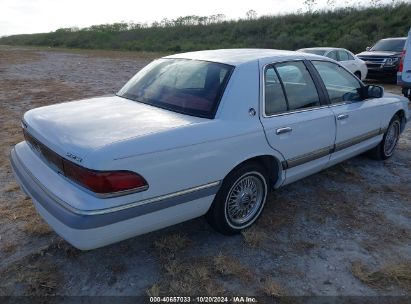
344, 231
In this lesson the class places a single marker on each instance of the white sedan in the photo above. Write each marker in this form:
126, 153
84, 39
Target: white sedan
201, 133
347, 59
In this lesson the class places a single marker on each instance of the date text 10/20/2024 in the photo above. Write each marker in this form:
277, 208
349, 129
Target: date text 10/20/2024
237, 299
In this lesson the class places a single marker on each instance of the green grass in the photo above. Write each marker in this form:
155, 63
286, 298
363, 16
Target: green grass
352, 28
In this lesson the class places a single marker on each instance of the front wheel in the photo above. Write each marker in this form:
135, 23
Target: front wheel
240, 200
386, 147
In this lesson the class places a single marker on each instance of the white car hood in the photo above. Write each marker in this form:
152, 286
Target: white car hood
77, 128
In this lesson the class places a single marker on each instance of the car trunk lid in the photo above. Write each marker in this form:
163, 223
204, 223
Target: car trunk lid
74, 129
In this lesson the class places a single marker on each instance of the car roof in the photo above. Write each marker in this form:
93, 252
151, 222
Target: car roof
395, 38
323, 48
241, 56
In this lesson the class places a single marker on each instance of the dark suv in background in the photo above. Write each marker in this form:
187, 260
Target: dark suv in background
383, 58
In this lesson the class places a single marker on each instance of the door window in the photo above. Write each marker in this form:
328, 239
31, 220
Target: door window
343, 55
299, 87
333, 55
340, 84
275, 101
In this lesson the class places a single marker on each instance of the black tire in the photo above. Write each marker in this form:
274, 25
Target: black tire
358, 74
384, 150
219, 216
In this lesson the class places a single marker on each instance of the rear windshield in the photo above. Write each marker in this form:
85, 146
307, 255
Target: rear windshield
313, 51
389, 45
190, 87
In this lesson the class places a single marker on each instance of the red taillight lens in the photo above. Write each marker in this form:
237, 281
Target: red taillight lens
104, 182
401, 66
100, 182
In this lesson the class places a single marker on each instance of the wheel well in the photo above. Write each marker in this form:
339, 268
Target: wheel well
401, 115
269, 162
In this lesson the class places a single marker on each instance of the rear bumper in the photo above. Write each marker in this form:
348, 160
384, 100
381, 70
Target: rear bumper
89, 229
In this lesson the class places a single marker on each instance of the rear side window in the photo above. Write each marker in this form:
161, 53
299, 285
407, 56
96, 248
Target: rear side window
340, 84
299, 87
275, 101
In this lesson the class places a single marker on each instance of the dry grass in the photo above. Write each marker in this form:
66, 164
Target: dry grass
11, 187
36, 226
271, 288
8, 248
153, 291
191, 276
170, 244
344, 173
228, 266
303, 246
403, 190
181, 275
20, 210
17, 56
254, 236
24, 212
398, 274
37, 276
118, 268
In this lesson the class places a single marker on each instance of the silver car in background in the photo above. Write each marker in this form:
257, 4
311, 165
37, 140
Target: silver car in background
347, 59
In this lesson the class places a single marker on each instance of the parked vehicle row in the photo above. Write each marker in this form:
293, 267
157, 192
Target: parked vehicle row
201, 133
344, 57
381, 61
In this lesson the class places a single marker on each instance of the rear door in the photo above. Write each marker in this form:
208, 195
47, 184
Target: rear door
296, 120
357, 120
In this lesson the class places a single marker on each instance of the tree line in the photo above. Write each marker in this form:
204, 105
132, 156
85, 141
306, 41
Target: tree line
353, 28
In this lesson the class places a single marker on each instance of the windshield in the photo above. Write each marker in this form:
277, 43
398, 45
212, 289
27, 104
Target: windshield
190, 87
389, 45
313, 51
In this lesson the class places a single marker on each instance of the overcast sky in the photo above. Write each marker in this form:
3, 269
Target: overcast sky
35, 16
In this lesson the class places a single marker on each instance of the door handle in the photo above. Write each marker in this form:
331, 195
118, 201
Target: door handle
283, 130
342, 116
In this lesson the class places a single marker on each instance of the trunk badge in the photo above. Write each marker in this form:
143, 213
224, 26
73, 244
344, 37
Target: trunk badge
74, 157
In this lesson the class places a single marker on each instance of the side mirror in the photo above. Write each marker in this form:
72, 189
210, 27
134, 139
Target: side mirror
368, 48
373, 91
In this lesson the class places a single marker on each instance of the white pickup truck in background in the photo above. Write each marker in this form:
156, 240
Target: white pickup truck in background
404, 71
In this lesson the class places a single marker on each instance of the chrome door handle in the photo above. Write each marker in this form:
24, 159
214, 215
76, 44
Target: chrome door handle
342, 116
283, 130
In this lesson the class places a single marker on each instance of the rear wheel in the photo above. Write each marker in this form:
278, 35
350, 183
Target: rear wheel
386, 147
240, 200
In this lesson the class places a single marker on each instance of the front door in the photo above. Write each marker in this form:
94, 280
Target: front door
296, 121
357, 120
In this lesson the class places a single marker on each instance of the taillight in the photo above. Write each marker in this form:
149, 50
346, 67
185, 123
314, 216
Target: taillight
401, 66
104, 182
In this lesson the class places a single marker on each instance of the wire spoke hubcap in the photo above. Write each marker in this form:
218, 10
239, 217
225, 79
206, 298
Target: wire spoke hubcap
391, 139
244, 199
